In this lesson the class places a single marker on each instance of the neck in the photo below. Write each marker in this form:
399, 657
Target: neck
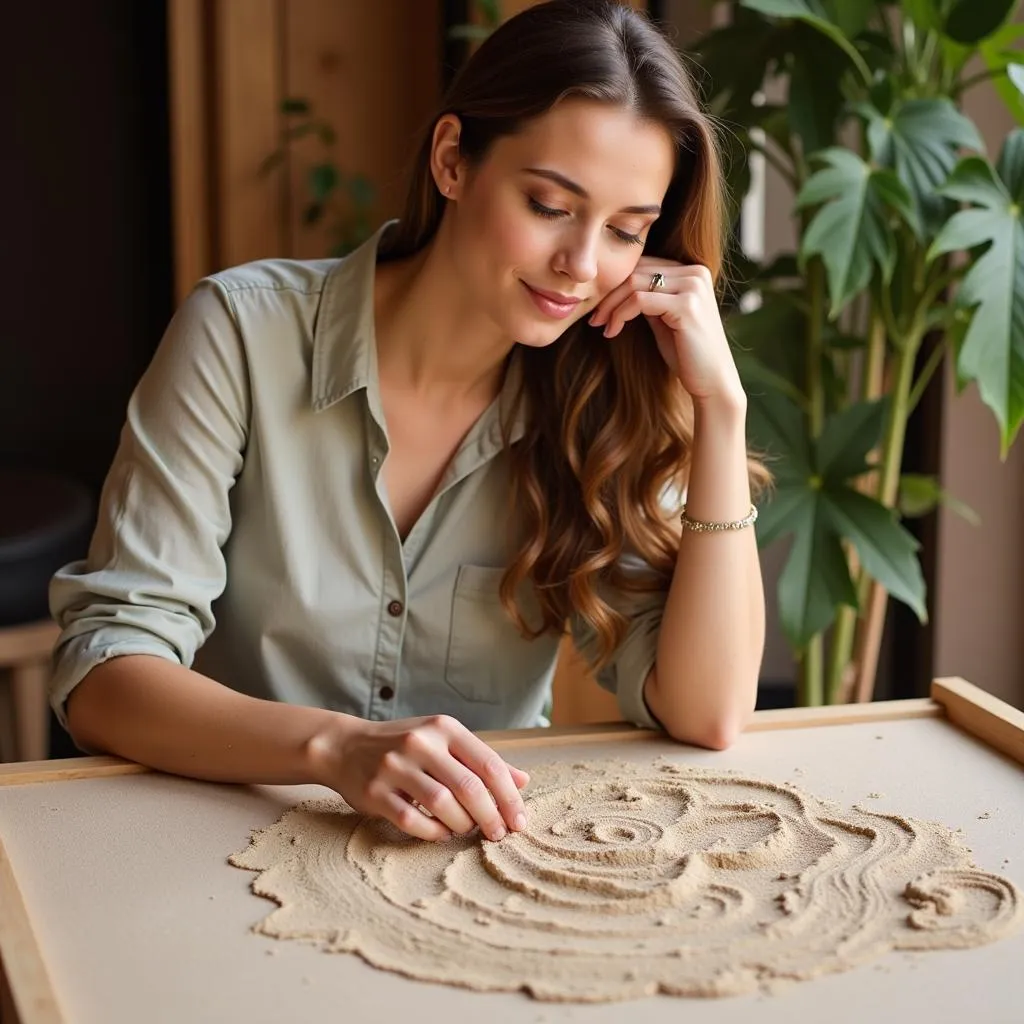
430, 339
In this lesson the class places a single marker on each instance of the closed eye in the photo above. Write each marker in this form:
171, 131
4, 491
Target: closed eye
545, 211
625, 236
554, 214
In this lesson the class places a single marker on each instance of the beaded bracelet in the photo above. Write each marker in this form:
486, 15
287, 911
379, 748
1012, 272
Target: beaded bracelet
701, 527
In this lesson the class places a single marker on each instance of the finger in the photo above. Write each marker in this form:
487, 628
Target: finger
488, 769
390, 806
610, 301
432, 795
519, 777
651, 303
678, 277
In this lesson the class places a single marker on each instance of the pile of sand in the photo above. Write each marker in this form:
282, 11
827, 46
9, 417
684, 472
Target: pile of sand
630, 880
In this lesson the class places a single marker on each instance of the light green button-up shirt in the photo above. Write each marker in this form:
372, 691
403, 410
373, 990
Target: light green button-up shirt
244, 528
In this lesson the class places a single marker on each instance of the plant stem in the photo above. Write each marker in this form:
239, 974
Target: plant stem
892, 458
815, 333
788, 174
841, 644
935, 358
869, 641
983, 76
809, 688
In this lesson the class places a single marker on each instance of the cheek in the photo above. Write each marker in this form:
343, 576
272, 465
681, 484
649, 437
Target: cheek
617, 268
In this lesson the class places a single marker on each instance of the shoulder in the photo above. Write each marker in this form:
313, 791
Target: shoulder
269, 277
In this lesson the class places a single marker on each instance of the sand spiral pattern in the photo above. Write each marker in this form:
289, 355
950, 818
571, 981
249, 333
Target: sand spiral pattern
630, 880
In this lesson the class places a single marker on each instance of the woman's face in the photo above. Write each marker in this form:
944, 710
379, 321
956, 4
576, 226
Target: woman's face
556, 216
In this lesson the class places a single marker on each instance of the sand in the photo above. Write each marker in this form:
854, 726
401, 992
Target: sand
630, 880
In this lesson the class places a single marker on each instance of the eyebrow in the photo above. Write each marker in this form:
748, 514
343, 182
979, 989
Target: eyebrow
571, 186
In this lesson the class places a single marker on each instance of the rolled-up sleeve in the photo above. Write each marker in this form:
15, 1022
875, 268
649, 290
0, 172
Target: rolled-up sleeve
155, 565
624, 675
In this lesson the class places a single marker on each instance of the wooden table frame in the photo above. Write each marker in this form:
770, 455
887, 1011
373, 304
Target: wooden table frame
27, 994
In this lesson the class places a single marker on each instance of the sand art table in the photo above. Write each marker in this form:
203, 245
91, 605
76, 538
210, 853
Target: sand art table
117, 903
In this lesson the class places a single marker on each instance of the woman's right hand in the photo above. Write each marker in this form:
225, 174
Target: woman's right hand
380, 768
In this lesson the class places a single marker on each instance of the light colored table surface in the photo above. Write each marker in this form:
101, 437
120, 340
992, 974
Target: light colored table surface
139, 917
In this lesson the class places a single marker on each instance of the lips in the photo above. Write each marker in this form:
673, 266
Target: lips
552, 304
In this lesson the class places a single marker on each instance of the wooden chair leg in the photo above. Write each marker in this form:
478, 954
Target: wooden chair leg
31, 710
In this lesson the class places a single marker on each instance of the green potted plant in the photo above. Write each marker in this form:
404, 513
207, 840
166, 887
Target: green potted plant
910, 250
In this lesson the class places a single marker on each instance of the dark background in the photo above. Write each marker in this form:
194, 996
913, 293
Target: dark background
86, 237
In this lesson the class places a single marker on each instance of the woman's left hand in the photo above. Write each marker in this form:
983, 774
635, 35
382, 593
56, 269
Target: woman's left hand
683, 313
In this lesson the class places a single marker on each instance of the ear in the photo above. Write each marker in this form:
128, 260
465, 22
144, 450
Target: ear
446, 162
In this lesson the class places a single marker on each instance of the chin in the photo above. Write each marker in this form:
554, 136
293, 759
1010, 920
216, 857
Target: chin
536, 335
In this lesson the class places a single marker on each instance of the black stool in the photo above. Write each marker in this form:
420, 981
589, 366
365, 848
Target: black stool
45, 522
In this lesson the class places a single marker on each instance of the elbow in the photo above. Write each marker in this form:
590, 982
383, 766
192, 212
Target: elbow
719, 735
722, 736
715, 728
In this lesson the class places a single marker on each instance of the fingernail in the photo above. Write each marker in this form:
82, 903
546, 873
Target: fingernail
499, 833
520, 823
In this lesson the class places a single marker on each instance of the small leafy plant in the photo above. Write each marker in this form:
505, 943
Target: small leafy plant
343, 201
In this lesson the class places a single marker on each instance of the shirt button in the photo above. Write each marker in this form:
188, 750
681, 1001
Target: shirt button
386, 693
395, 608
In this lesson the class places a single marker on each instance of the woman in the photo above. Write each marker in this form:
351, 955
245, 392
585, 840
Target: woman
356, 502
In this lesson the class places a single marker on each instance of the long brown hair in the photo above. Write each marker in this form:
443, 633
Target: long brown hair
610, 428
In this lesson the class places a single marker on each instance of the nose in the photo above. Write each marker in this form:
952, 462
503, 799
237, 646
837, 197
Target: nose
577, 257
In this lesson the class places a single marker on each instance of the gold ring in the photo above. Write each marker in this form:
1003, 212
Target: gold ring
657, 281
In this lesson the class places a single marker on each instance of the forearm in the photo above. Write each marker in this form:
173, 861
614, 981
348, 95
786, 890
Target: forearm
711, 642
166, 716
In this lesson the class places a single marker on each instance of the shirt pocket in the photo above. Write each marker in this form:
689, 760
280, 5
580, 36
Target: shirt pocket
488, 659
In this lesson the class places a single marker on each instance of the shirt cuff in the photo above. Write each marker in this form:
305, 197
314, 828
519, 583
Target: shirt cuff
75, 658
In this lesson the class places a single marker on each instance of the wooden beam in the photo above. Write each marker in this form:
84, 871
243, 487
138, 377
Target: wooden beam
188, 30
248, 91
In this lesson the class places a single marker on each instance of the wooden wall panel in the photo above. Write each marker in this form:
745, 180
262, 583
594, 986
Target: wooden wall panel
373, 72
187, 29
511, 7
250, 208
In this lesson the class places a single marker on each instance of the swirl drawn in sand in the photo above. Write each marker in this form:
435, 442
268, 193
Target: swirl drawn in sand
630, 880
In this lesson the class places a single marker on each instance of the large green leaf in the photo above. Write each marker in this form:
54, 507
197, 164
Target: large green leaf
779, 428
756, 375
919, 139
813, 500
773, 333
775, 516
925, 14
886, 549
812, 13
992, 291
847, 438
736, 59
816, 577
1002, 54
815, 98
970, 21
851, 231
850, 16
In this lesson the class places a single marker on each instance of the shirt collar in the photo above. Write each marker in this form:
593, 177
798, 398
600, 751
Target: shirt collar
345, 344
